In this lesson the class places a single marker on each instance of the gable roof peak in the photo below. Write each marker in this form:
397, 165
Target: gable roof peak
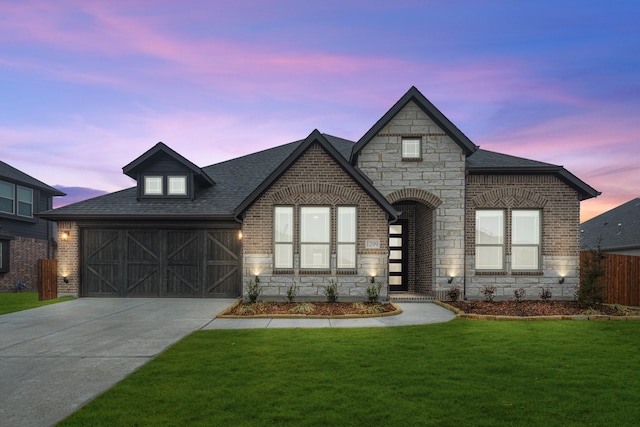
413, 94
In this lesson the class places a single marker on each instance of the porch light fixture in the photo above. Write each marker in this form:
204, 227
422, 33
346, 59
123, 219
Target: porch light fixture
65, 279
561, 281
372, 280
239, 234
450, 280
64, 235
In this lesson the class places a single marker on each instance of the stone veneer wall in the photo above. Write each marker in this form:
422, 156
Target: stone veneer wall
24, 254
68, 258
560, 233
440, 174
315, 179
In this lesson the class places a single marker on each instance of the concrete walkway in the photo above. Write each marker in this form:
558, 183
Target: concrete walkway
55, 358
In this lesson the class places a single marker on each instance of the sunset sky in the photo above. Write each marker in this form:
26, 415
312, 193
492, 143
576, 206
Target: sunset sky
88, 86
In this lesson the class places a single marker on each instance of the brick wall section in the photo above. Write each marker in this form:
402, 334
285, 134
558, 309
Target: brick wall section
424, 255
68, 258
23, 263
315, 179
409, 213
560, 231
440, 174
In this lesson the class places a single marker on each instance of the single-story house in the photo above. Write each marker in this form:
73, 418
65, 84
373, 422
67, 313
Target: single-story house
616, 231
24, 238
414, 205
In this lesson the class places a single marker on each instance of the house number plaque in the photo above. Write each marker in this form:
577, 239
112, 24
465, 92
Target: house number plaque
372, 244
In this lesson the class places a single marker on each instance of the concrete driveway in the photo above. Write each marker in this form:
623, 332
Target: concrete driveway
53, 359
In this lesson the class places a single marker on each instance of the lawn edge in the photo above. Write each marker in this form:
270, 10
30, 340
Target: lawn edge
461, 314
224, 315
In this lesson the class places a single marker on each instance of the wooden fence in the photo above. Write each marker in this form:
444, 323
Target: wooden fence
622, 278
47, 279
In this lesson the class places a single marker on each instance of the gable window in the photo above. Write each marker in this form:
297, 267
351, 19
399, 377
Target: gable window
25, 202
315, 237
283, 237
153, 186
525, 239
7, 197
411, 148
346, 237
177, 185
489, 239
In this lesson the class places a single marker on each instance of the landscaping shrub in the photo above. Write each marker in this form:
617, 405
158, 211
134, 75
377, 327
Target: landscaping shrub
519, 294
331, 292
590, 293
545, 294
292, 291
453, 293
488, 292
373, 292
253, 289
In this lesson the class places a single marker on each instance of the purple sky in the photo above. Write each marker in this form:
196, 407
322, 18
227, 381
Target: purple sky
88, 86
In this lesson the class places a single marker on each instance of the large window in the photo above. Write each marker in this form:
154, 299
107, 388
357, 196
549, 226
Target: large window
489, 239
315, 237
25, 202
7, 197
283, 237
525, 240
346, 239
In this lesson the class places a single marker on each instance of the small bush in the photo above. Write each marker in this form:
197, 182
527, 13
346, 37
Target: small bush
373, 292
253, 289
545, 294
331, 292
488, 292
304, 307
591, 290
292, 291
519, 294
453, 293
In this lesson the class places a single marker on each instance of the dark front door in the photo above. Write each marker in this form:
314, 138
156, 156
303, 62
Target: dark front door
398, 256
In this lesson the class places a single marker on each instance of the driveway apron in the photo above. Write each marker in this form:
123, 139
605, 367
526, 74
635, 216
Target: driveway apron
55, 358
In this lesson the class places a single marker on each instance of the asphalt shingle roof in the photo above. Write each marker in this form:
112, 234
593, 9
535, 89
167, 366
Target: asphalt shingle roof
15, 175
618, 228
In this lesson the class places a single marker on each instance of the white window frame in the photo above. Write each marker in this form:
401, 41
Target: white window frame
21, 202
181, 190
309, 245
484, 247
12, 199
283, 237
410, 150
148, 191
346, 239
530, 244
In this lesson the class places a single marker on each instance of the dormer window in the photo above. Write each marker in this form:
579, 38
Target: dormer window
412, 148
177, 185
153, 186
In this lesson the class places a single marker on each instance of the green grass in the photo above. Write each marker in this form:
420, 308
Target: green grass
18, 301
462, 373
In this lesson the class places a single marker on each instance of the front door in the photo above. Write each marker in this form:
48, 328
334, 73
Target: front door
398, 256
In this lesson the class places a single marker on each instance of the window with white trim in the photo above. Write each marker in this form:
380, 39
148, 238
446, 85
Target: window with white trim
177, 185
25, 202
346, 237
315, 237
489, 239
283, 237
7, 197
411, 148
525, 240
153, 186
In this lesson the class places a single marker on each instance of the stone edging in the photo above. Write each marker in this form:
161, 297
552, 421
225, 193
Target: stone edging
461, 314
224, 315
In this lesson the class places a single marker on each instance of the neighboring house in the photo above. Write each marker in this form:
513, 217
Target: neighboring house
24, 238
414, 205
616, 231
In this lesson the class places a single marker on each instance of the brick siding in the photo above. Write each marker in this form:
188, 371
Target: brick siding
68, 258
23, 263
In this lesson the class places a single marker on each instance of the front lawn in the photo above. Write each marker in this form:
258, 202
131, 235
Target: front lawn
18, 301
461, 373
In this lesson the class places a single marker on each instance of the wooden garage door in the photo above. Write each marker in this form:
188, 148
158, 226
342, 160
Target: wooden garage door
160, 263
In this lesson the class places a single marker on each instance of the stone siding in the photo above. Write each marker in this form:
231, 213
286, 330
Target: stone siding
315, 179
560, 218
437, 181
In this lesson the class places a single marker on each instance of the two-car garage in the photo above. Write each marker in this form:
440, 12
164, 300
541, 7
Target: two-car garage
160, 262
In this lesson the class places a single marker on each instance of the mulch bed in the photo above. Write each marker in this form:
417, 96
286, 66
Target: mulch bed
532, 308
314, 308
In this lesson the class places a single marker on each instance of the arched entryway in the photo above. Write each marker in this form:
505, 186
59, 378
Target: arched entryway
411, 242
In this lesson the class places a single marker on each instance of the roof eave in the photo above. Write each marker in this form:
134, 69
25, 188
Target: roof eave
169, 217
